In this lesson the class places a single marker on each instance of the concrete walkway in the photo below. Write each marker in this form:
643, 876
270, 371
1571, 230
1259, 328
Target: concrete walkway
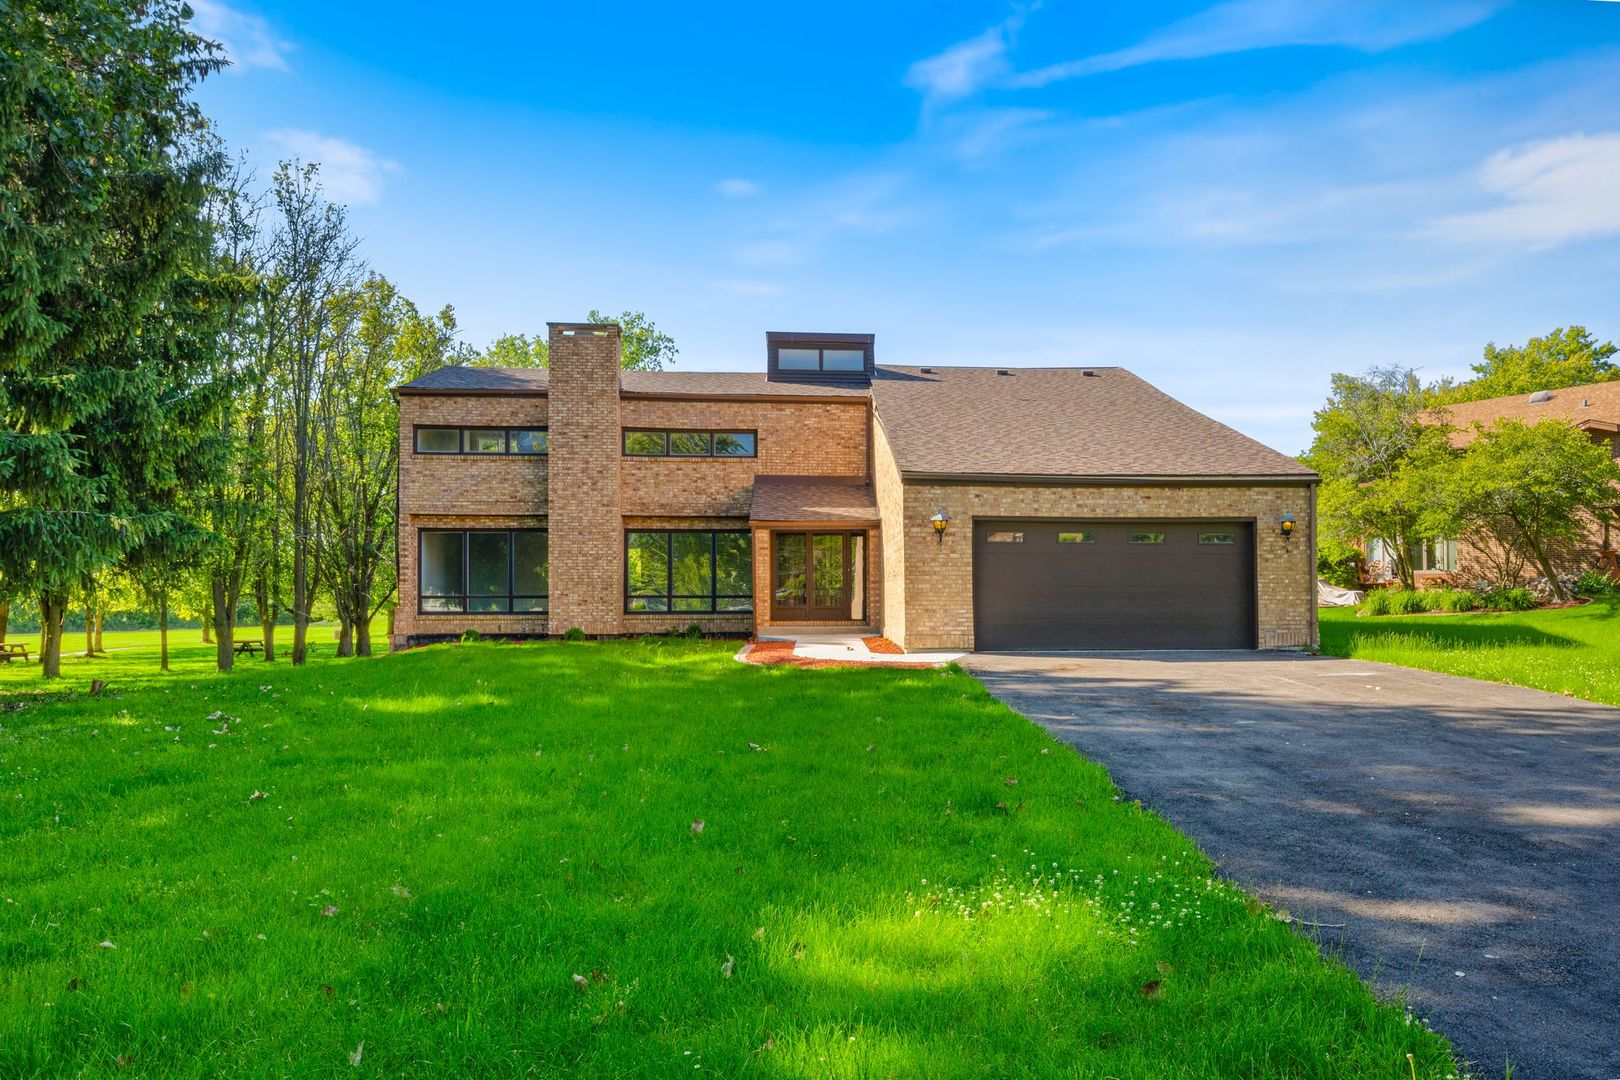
852, 648
1466, 834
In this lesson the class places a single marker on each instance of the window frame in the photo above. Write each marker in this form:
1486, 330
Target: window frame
669, 596
461, 440
821, 352
669, 441
511, 595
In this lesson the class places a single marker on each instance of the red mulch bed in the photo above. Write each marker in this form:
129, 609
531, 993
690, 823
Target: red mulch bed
781, 652
883, 645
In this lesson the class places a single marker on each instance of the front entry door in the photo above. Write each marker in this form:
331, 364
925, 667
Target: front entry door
811, 579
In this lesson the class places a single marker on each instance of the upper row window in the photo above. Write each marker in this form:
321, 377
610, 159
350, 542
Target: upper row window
690, 443
494, 440
821, 359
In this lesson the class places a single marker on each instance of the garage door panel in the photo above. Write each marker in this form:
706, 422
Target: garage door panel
1110, 593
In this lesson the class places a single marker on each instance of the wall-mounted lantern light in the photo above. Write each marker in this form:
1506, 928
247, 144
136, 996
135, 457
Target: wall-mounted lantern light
940, 521
1287, 524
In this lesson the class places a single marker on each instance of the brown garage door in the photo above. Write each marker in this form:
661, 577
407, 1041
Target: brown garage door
1107, 585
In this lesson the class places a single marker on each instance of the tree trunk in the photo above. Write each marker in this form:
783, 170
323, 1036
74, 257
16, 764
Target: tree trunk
267, 619
163, 633
345, 636
208, 625
52, 609
1547, 571
101, 617
89, 633
224, 626
300, 644
5, 619
362, 638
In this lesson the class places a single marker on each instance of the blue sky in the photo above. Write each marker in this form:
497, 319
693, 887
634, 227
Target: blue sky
1233, 199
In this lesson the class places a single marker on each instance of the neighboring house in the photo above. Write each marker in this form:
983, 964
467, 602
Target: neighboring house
944, 507
1593, 408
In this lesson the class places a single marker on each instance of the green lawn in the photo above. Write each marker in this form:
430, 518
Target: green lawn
1566, 650
636, 859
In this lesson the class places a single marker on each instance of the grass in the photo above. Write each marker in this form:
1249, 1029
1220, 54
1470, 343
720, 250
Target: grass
635, 859
1572, 651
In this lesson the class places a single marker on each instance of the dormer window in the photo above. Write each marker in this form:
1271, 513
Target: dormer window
827, 358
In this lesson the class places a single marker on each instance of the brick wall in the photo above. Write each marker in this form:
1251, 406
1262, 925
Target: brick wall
583, 499
795, 438
891, 500
939, 577
470, 484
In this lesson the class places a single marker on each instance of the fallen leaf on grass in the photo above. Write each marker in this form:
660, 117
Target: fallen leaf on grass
354, 1058
759, 935
108, 945
1152, 988
581, 982
697, 826
725, 968
330, 911
1011, 781
1164, 968
257, 795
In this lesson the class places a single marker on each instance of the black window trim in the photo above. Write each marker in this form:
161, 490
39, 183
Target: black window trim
461, 439
464, 596
668, 433
669, 596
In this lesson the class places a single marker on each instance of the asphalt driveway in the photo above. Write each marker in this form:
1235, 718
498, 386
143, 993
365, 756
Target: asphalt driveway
1459, 839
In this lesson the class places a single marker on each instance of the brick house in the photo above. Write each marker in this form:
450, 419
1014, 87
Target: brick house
949, 507
1593, 408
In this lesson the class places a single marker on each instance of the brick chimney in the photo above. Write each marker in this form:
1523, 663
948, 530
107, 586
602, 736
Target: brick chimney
586, 535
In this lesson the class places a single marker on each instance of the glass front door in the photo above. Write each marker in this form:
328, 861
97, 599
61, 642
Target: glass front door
813, 575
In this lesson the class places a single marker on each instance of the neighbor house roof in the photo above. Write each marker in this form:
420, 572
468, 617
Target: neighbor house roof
1592, 407
1090, 423
847, 499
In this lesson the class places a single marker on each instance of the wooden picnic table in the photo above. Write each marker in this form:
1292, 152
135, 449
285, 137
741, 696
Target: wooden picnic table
249, 645
12, 649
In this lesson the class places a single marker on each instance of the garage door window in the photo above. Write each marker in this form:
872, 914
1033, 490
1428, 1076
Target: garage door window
1005, 538
1147, 538
1217, 538
1077, 538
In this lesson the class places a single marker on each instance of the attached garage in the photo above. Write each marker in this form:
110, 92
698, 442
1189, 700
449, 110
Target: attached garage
1101, 585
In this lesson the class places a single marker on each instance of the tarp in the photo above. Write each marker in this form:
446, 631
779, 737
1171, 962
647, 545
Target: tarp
1333, 596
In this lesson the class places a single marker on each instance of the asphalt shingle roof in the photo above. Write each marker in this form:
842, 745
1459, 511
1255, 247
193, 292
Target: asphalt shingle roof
813, 498
1594, 404
1058, 422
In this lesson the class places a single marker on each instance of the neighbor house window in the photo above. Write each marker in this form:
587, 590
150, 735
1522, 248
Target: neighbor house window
688, 571
1147, 538
482, 571
646, 443
821, 359
1437, 555
481, 441
1077, 537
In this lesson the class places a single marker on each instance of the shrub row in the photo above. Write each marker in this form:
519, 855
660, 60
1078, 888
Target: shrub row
1420, 601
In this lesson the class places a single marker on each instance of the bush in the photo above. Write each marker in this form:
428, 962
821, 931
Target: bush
1453, 600
1377, 602
1519, 599
470, 636
1596, 584
573, 633
1409, 602
694, 631
1338, 563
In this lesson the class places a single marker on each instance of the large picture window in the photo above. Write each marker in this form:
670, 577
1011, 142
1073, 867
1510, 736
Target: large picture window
686, 571
482, 571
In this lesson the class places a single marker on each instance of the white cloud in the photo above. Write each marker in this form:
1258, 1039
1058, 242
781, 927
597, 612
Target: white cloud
248, 40
737, 187
1230, 27
966, 67
1551, 192
349, 173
